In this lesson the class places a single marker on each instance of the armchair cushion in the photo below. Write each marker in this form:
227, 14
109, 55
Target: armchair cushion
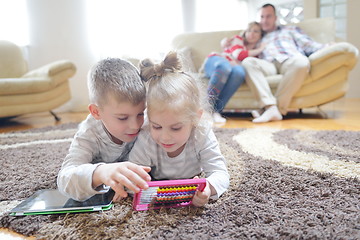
12, 64
329, 58
39, 80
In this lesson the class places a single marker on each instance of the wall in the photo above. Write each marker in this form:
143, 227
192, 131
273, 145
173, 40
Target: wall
255, 5
353, 36
58, 31
311, 10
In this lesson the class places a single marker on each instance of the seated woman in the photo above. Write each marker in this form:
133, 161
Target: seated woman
224, 69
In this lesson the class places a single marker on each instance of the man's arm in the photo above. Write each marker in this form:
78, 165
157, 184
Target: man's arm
304, 42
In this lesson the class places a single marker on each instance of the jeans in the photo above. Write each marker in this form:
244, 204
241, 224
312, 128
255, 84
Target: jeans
225, 79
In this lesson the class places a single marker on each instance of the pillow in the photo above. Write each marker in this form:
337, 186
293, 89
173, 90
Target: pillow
186, 60
320, 29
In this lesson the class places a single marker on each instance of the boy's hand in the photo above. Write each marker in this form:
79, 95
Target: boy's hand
120, 175
202, 198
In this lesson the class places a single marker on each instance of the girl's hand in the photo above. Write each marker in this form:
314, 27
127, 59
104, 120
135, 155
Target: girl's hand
202, 198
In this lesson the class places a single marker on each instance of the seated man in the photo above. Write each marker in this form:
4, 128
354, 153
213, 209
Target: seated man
286, 52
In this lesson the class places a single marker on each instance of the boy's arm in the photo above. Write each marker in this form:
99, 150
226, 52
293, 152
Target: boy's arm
121, 174
75, 177
78, 178
132, 174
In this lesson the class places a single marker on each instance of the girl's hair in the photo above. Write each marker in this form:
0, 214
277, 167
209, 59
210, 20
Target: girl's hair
117, 78
171, 89
250, 25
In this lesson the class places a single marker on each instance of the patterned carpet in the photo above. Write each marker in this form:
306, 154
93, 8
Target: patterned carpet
285, 184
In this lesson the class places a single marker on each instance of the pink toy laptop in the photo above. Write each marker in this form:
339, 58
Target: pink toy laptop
168, 193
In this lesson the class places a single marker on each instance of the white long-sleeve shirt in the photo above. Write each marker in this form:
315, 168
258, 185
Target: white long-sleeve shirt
90, 147
201, 154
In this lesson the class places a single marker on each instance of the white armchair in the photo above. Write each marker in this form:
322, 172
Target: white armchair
39, 90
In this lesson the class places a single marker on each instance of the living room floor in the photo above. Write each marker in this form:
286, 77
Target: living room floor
343, 114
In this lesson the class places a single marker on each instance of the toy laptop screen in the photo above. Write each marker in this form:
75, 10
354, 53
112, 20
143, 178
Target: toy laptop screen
51, 201
168, 193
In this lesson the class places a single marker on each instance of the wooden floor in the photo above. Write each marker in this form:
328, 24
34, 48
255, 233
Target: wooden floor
343, 114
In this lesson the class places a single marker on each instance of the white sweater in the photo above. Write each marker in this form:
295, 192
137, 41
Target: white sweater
90, 147
201, 154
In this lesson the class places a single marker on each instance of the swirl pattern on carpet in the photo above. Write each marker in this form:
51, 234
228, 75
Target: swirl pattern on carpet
285, 184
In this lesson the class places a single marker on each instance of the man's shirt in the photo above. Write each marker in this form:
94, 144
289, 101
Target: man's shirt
287, 41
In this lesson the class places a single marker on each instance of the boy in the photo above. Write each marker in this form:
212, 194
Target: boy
98, 154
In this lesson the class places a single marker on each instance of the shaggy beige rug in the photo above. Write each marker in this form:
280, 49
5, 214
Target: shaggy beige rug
285, 184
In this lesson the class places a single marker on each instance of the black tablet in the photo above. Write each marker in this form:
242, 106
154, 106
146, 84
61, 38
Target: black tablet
51, 201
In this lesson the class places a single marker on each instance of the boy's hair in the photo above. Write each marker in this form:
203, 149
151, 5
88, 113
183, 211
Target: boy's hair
171, 89
118, 78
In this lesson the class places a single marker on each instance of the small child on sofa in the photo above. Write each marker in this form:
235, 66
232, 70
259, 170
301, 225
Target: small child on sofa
238, 47
97, 158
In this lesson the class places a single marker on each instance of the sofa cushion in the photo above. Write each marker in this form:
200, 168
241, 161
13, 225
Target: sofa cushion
337, 75
320, 29
186, 59
201, 44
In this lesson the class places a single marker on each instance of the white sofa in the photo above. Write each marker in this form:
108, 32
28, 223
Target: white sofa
327, 79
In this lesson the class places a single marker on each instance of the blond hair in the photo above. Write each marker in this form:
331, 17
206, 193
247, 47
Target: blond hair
169, 88
250, 25
118, 78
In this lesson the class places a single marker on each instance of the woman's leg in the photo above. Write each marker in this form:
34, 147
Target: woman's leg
236, 78
217, 69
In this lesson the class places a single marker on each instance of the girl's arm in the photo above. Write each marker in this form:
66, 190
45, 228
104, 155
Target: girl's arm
213, 164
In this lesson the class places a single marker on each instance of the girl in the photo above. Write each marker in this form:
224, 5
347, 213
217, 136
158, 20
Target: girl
224, 69
178, 142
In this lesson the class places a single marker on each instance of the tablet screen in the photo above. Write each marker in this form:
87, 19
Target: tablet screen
50, 200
